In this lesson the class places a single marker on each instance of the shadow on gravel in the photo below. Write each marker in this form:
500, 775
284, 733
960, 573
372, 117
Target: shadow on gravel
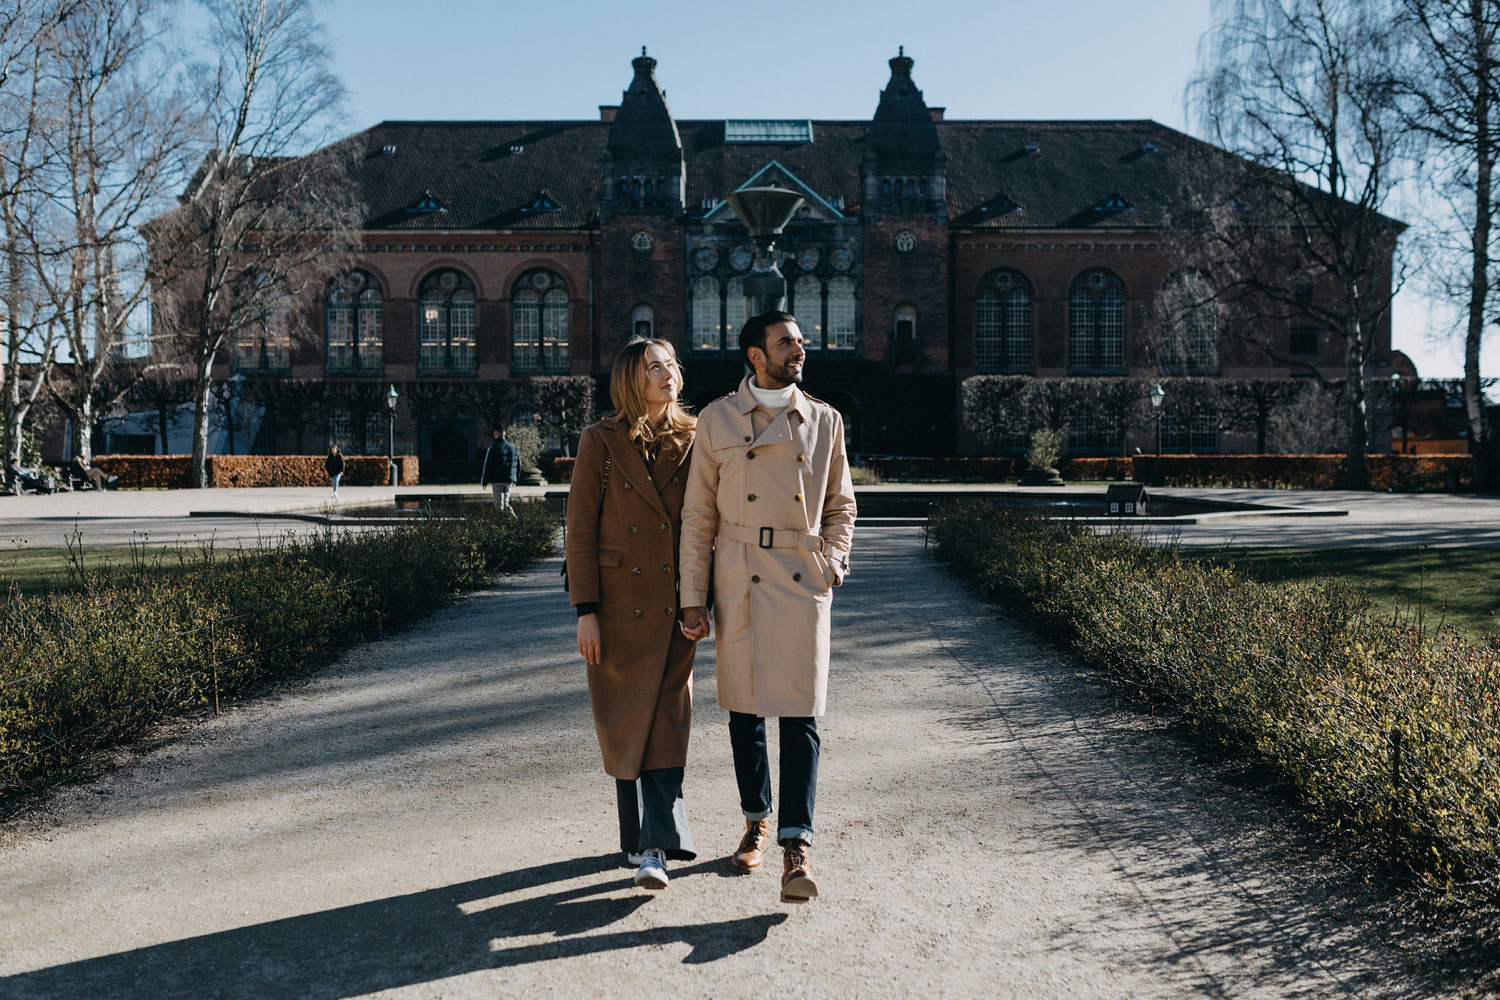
400, 941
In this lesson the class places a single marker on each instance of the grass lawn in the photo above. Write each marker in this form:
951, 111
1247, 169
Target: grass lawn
32, 570
1458, 586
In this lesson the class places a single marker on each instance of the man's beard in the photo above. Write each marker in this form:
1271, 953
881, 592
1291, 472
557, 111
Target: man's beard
784, 375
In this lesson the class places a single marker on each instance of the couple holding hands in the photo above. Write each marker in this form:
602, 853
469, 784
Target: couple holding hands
747, 509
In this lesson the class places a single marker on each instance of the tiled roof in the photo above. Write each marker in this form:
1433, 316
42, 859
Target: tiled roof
486, 175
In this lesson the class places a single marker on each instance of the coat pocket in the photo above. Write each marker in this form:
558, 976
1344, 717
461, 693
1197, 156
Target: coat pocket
825, 567
610, 557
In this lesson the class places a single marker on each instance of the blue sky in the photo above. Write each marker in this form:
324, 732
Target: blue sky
468, 59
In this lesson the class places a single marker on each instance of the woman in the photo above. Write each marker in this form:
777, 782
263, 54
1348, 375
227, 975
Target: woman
334, 464
624, 518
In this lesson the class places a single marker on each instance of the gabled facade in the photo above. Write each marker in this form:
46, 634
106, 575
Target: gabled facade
926, 251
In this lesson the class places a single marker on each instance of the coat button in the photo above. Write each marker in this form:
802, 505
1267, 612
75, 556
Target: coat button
668, 610
666, 567
665, 526
747, 438
796, 496
796, 576
749, 454
674, 480
627, 486
639, 612
801, 457
632, 529
751, 498
636, 571
755, 579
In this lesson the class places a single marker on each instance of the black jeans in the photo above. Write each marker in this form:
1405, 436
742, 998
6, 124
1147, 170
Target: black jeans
652, 814
799, 772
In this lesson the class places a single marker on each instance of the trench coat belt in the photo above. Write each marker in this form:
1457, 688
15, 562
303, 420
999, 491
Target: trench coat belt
771, 538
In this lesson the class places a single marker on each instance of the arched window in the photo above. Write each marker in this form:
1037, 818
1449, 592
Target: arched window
447, 323
354, 320
539, 323
642, 321
1096, 322
707, 334
736, 310
1190, 325
841, 313
905, 330
1002, 321
263, 339
807, 306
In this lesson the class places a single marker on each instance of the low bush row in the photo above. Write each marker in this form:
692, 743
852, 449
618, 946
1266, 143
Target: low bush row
1398, 473
172, 471
1391, 734
94, 667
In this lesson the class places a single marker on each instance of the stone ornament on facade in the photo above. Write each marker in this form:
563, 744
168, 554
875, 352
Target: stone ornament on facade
808, 257
707, 258
842, 259
642, 242
741, 257
906, 242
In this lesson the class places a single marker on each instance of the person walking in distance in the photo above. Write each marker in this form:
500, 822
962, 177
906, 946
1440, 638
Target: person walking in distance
334, 466
767, 524
624, 517
502, 467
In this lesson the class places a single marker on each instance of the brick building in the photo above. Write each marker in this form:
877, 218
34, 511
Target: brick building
927, 250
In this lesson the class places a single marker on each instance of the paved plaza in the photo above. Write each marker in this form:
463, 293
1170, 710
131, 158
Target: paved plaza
428, 818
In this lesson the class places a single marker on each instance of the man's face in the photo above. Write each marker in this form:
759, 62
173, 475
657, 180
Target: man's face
781, 362
495, 435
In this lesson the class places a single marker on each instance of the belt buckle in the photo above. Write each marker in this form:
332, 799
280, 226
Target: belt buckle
767, 537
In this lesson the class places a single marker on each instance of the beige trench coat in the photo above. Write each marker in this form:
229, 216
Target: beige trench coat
775, 513
622, 555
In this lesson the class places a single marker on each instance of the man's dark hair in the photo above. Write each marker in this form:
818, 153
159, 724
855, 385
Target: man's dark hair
753, 333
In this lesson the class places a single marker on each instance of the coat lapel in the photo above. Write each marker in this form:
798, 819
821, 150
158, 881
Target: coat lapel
630, 466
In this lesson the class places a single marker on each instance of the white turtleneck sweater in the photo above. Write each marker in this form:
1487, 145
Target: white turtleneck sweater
774, 400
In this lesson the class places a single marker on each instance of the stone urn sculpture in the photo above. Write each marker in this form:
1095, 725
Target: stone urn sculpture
1041, 459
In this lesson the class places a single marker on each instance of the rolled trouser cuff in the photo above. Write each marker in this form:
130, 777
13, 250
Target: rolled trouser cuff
786, 833
756, 817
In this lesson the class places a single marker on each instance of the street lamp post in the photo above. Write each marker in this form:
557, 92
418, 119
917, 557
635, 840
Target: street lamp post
1157, 395
390, 440
765, 211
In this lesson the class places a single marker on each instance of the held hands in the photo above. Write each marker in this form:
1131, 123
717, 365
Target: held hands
696, 623
588, 639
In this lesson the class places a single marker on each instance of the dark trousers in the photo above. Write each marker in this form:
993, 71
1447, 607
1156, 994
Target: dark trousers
652, 814
799, 772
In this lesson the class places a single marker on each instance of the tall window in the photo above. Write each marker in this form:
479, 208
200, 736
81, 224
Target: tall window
841, 313
707, 334
447, 321
1096, 322
1091, 432
355, 337
807, 306
1190, 327
736, 310
263, 342
906, 324
539, 323
1002, 321
642, 321
1199, 432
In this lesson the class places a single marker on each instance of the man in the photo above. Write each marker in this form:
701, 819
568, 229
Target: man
770, 508
502, 467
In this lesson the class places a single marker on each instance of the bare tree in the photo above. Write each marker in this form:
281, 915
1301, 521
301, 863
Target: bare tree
564, 404
119, 146
261, 227
1303, 92
1452, 87
163, 392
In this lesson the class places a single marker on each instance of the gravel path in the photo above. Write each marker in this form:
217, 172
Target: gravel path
427, 818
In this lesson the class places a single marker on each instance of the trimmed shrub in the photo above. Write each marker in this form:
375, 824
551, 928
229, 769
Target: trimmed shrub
173, 471
1112, 468
561, 470
1400, 473
939, 470
85, 670
1390, 734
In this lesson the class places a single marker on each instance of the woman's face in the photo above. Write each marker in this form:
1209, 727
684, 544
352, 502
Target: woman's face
663, 377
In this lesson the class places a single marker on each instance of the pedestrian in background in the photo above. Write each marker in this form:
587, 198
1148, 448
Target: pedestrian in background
502, 467
624, 519
334, 463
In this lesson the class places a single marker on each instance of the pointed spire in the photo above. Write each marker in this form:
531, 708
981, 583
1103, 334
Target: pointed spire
902, 122
643, 126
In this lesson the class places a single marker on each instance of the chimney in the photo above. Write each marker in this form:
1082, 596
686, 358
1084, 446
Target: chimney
936, 113
607, 112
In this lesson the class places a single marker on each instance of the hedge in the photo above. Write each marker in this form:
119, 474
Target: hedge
1390, 733
895, 469
1109, 469
84, 670
1399, 473
173, 471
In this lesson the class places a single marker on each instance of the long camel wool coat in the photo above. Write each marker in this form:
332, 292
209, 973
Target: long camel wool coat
622, 555
770, 507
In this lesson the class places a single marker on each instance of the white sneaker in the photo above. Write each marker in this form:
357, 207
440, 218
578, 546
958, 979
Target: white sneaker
652, 874
632, 859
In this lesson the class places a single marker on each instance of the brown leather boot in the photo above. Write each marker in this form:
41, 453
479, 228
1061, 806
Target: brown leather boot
797, 885
747, 856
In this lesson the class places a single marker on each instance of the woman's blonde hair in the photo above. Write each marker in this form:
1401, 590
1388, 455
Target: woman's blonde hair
627, 390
